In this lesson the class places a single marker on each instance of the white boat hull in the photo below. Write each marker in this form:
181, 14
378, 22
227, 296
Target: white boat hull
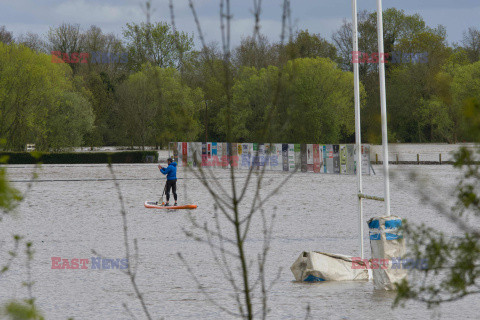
316, 266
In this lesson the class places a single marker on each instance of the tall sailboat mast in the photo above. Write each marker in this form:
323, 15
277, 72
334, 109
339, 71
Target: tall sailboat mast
358, 135
383, 106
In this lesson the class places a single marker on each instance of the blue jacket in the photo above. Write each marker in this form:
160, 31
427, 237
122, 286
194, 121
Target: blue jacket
170, 171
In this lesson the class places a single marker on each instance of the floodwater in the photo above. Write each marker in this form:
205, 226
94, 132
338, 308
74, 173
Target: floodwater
425, 151
69, 212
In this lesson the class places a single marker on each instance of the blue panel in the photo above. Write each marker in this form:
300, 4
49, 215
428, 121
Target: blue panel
392, 236
375, 236
374, 224
311, 278
391, 224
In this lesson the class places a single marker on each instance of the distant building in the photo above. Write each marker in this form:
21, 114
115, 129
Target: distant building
30, 147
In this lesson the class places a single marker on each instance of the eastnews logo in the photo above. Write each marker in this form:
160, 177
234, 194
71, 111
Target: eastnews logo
397, 57
92, 263
82, 57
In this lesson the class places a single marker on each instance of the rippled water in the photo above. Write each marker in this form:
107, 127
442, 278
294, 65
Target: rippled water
313, 212
425, 151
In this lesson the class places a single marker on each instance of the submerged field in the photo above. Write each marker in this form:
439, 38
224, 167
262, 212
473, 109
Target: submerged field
69, 212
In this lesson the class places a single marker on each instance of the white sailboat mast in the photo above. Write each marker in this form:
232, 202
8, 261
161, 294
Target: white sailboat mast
358, 135
383, 106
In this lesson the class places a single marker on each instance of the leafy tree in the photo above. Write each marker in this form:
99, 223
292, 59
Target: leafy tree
398, 28
416, 111
255, 52
102, 98
67, 39
465, 86
306, 45
433, 116
5, 35
69, 121
252, 100
342, 38
321, 102
34, 42
471, 43
315, 104
30, 84
9, 196
16, 310
157, 108
207, 70
96, 42
453, 269
37, 101
155, 43
100, 80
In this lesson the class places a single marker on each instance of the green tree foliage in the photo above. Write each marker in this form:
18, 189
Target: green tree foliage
414, 86
255, 52
67, 39
8, 196
252, 102
95, 42
100, 80
307, 45
398, 27
440, 117
5, 35
471, 44
75, 120
465, 86
416, 112
155, 43
433, 117
315, 104
156, 107
32, 92
101, 91
322, 102
206, 70
15, 310
33, 41
453, 269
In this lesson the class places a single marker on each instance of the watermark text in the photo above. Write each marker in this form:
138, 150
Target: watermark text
97, 263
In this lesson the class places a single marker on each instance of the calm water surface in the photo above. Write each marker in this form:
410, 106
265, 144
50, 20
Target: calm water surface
69, 218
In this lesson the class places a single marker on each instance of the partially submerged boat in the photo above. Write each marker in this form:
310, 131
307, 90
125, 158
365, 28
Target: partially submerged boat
314, 266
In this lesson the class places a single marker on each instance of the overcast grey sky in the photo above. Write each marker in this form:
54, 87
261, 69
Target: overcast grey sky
318, 16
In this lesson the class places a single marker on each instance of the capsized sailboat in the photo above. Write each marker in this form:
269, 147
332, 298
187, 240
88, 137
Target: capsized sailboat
314, 266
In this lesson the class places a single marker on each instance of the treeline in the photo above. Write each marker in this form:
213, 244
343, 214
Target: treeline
151, 86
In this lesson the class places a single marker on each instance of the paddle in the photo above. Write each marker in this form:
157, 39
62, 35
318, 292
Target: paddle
161, 201
163, 194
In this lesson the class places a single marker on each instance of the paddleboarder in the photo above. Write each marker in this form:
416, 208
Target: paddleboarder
171, 172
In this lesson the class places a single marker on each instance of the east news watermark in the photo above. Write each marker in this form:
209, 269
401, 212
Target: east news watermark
396, 57
95, 57
93, 263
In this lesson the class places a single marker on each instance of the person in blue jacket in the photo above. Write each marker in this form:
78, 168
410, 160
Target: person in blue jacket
171, 172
